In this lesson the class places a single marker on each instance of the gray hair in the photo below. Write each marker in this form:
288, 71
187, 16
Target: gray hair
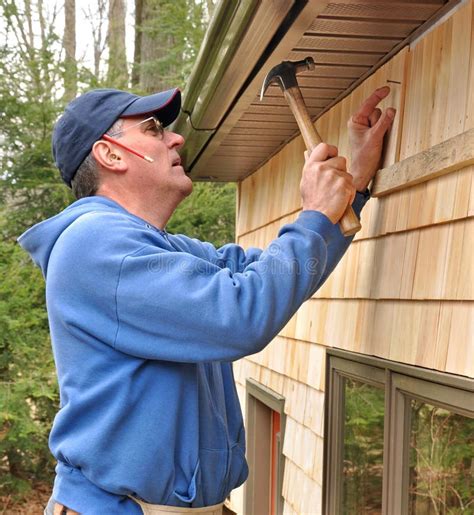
86, 181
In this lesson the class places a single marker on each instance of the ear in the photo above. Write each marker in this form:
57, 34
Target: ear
109, 157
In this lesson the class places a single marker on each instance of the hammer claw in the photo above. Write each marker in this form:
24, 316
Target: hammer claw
285, 74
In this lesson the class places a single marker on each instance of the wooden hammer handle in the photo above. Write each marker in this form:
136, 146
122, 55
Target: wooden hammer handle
349, 222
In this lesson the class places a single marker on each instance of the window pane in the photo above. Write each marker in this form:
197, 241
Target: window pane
363, 448
441, 461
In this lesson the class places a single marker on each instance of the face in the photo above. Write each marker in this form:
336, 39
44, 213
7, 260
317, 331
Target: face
165, 175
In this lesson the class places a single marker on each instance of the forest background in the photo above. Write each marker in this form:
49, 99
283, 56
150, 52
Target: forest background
43, 66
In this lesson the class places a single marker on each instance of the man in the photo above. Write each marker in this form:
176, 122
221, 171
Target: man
145, 325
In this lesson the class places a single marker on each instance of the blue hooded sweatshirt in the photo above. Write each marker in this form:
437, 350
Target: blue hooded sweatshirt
144, 327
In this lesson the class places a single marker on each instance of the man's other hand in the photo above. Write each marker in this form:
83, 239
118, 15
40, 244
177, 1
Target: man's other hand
367, 127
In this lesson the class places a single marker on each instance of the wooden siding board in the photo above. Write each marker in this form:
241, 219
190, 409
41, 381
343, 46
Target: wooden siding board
463, 191
470, 209
415, 332
453, 154
452, 270
469, 120
417, 264
438, 91
300, 491
460, 356
465, 277
430, 263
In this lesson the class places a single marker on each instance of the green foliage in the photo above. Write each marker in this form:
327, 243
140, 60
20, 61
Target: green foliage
28, 392
32, 73
207, 214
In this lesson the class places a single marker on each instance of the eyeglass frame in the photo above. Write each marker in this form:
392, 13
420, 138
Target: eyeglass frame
158, 125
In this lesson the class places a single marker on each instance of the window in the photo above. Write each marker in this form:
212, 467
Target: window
398, 439
265, 429
362, 463
441, 476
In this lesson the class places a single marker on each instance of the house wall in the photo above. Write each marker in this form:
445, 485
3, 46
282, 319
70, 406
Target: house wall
404, 290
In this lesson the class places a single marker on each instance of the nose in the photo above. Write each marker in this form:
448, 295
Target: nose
175, 140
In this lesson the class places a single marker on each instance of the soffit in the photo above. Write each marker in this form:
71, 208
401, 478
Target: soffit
348, 40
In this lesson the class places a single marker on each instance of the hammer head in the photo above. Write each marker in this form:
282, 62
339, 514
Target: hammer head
284, 74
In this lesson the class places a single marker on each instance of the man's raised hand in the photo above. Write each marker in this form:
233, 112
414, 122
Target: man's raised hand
367, 128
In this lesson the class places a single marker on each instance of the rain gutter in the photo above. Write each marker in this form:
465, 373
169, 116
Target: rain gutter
239, 34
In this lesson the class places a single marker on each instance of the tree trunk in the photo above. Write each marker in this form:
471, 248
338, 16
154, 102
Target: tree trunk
154, 48
137, 54
167, 41
97, 20
117, 73
69, 42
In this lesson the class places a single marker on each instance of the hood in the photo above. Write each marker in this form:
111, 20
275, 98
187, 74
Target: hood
40, 239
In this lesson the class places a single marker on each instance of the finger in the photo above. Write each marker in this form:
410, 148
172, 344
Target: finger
375, 116
346, 181
339, 163
322, 152
306, 155
346, 177
384, 123
368, 106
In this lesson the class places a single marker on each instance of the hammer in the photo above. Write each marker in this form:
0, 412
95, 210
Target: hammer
284, 75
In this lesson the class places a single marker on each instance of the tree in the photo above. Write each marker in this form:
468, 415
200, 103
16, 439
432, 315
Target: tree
97, 19
168, 36
69, 42
117, 73
137, 56
208, 214
31, 90
31, 69
28, 392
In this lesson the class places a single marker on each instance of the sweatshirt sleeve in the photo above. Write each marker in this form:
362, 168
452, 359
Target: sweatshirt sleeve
230, 256
235, 258
179, 307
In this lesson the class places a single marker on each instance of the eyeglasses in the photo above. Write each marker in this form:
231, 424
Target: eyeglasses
156, 126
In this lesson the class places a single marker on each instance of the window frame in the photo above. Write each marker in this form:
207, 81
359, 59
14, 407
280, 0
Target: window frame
259, 393
401, 383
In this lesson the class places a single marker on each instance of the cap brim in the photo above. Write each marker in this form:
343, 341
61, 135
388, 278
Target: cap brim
165, 105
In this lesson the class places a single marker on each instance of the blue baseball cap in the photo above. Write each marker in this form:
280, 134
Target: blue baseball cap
88, 117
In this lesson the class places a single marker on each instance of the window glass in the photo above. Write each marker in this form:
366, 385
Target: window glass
363, 448
441, 461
